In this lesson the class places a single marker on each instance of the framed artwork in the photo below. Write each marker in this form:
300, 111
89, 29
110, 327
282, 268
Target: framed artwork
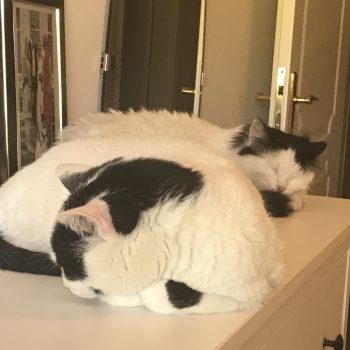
3, 152
33, 95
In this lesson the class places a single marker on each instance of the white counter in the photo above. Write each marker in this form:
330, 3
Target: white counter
37, 312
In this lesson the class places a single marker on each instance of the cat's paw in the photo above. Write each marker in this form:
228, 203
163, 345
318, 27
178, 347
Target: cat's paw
122, 300
297, 201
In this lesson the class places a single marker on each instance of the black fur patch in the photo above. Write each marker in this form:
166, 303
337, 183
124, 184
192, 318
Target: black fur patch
22, 260
276, 204
135, 186
69, 248
182, 296
72, 181
246, 151
306, 151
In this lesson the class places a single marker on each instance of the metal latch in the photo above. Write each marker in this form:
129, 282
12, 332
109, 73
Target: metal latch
105, 65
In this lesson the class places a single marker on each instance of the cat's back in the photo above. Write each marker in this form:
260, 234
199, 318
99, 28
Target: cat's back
151, 123
30, 200
228, 197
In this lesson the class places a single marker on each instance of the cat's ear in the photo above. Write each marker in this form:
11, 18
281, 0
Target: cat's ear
316, 148
257, 131
71, 174
93, 217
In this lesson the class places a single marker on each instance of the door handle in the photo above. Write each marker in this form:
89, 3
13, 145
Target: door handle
261, 97
188, 90
294, 99
307, 100
336, 344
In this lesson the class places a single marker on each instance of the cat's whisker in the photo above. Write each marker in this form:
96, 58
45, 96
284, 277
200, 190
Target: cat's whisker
47, 269
34, 254
36, 261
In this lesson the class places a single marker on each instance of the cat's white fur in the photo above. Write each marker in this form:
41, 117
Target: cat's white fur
155, 298
221, 243
272, 171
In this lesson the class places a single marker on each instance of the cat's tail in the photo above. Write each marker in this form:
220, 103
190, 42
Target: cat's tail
22, 260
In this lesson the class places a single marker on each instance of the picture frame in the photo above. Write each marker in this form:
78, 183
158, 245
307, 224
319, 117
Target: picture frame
33, 96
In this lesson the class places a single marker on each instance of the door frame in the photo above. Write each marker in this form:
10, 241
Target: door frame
200, 61
345, 181
344, 172
282, 58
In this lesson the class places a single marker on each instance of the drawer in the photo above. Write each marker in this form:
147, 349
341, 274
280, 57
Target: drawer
315, 311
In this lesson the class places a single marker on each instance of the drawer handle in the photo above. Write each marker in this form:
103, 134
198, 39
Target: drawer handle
336, 344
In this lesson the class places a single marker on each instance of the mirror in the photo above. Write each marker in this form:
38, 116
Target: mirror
152, 49
153, 57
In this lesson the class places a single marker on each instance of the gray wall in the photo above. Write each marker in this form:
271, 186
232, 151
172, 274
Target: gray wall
238, 54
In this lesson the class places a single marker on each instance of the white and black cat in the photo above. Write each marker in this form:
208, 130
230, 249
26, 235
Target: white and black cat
273, 160
154, 224
279, 164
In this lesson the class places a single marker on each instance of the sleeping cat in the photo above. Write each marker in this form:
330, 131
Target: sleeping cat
276, 162
152, 224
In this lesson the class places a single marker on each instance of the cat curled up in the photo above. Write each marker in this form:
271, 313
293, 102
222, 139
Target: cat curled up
135, 220
280, 165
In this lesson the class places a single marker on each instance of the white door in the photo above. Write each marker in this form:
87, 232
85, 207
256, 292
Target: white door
309, 79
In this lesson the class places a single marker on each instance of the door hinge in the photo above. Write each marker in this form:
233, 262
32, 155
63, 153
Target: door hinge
202, 79
105, 64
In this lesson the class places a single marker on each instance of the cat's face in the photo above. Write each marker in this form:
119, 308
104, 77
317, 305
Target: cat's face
275, 160
75, 234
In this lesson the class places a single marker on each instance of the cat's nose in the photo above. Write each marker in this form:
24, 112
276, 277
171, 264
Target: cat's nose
280, 188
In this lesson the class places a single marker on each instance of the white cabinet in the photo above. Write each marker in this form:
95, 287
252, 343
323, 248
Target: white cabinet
315, 311
37, 312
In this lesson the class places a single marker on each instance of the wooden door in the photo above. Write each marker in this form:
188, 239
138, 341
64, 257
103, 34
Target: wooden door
312, 44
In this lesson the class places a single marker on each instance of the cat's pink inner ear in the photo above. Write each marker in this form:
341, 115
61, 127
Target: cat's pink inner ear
96, 211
